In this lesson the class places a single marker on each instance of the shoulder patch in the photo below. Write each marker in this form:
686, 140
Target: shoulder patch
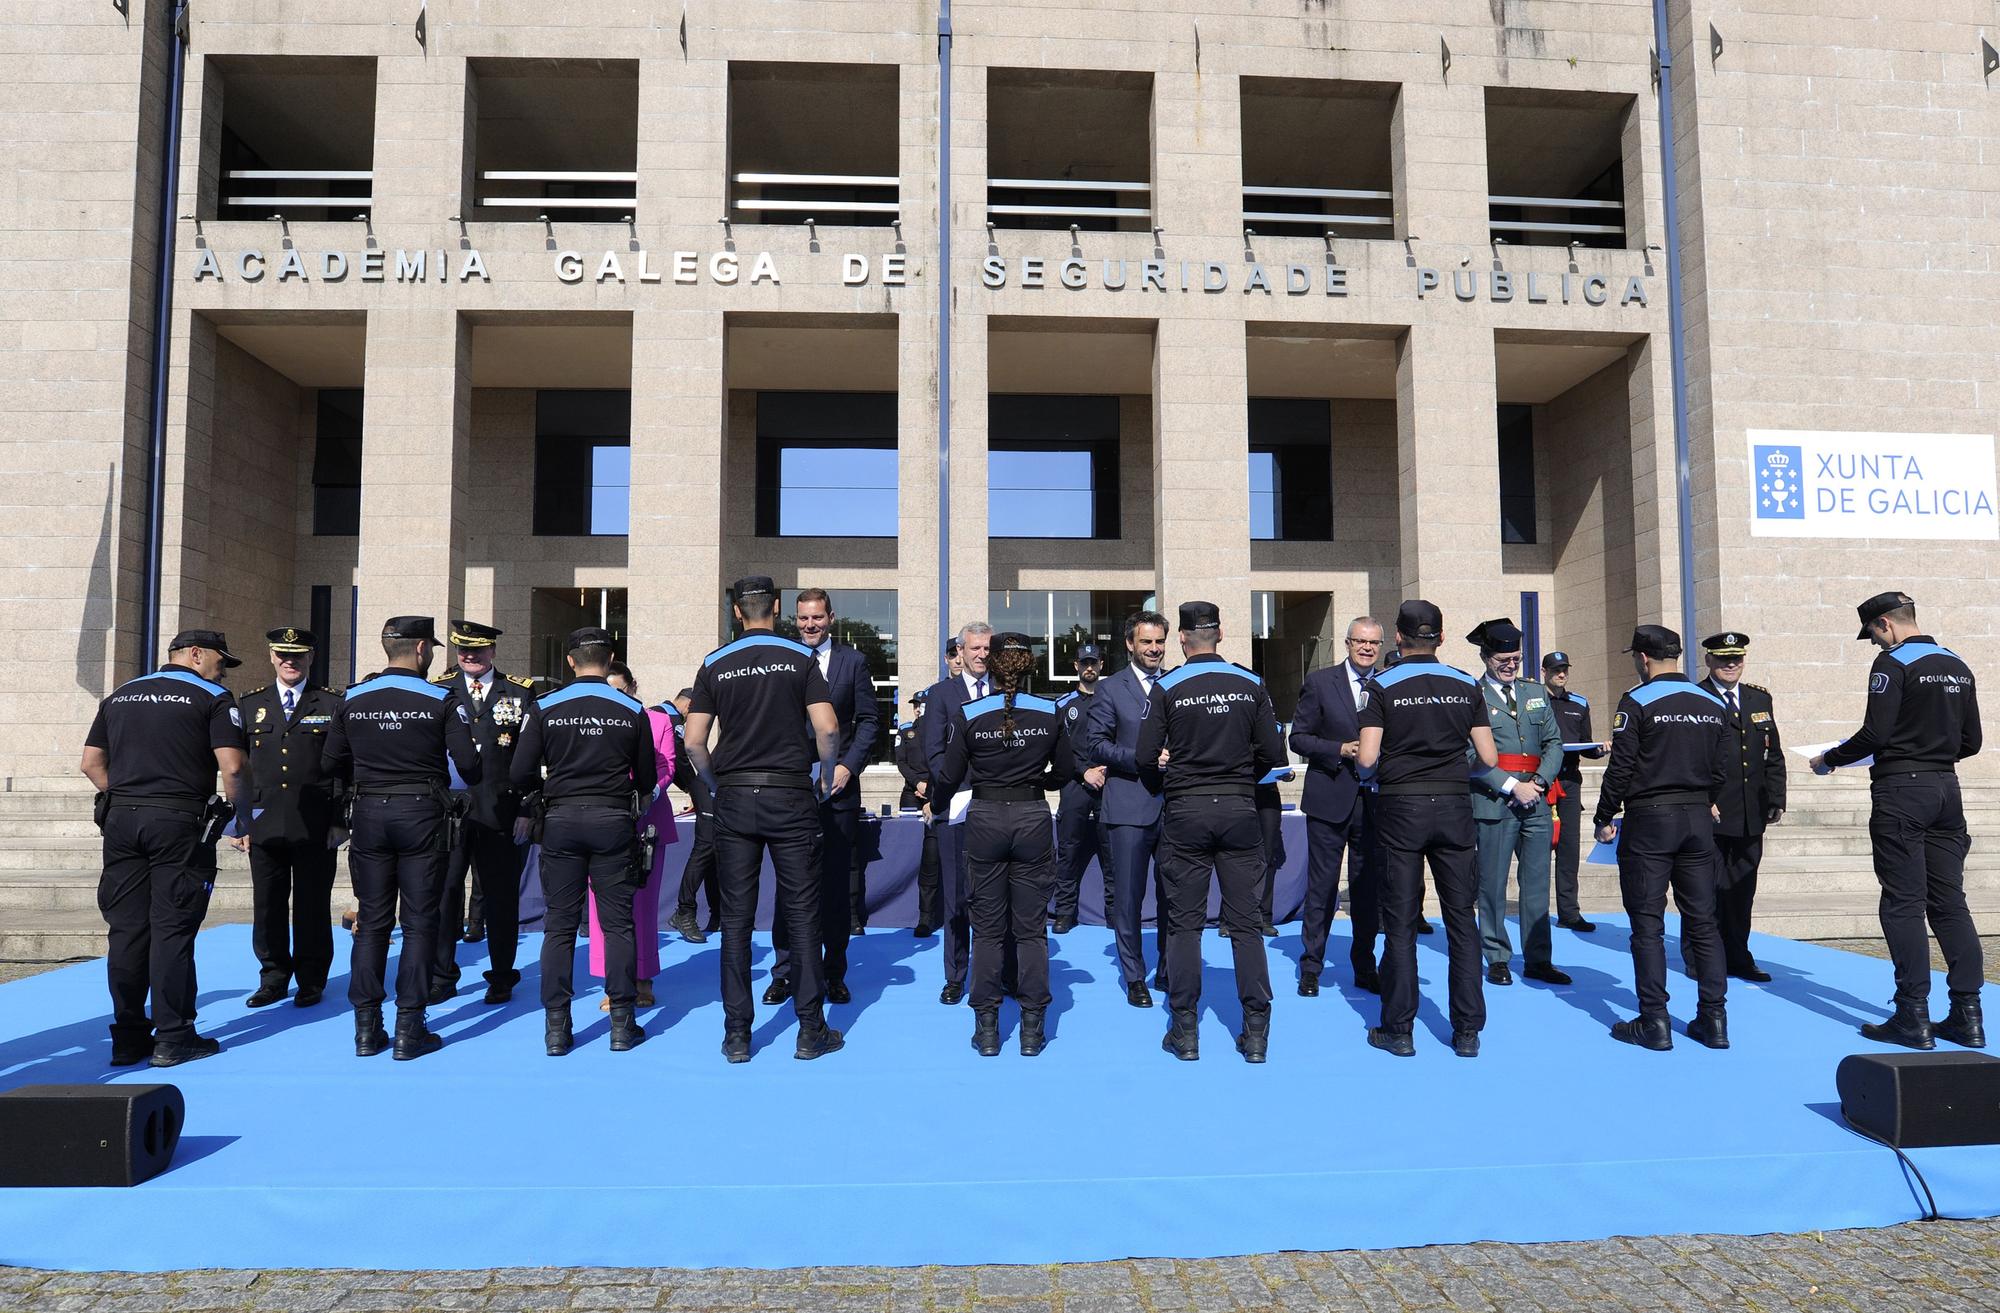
1579, 699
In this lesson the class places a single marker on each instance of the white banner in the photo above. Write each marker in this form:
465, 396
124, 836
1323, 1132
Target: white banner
1871, 485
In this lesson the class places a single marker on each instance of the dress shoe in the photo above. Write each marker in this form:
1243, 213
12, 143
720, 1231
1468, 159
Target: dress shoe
413, 1038
1255, 1041
817, 1042
173, 1055
474, 932
1065, 924
736, 1045
689, 928
265, 996
1424, 927
1308, 985
646, 999
1546, 973
1753, 973
1498, 974
369, 1037
308, 996
1964, 1025
779, 990
1648, 1032
557, 1038
1710, 1027
924, 930
986, 1032
130, 1054
1033, 1040
951, 994
498, 991
1269, 930
441, 992
1368, 978
1579, 925
1395, 1042
1910, 1027
626, 1033
1465, 1043
1181, 1039
1137, 995
837, 992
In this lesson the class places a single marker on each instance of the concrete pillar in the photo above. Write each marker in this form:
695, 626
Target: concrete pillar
1448, 467
1201, 472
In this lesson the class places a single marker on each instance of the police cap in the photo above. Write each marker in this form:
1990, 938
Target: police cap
410, 626
1556, 661
588, 636
466, 633
1012, 642
290, 639
951, 647
1417, 618
921, 696
1878, 606
753, 585
1656, 641
1089, 652
1728, 643
1200, 615
1496, 636
211, 639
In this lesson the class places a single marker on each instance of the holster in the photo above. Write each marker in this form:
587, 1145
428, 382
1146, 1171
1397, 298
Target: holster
100, 809
642, 854
456, 805
215, 814
537, 806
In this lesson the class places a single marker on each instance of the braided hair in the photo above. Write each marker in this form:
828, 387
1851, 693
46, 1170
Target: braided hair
1013, 657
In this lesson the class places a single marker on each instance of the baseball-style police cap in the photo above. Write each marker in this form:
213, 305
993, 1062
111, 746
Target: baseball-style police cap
1496, 636
1655, 641
1728, 643
588, 636
465, 633
1200, 615
1417, 618
290, 639
410, 626
1089, 652
211, 639
921, 696
753, 585
1878, 606
1556, 661
951, 646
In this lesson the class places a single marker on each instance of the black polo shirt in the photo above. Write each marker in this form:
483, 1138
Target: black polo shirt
596, 742
1426, 711
396, 732
159, 733
759, 688
1666, 747
996, 748
1216, 722
1923, 712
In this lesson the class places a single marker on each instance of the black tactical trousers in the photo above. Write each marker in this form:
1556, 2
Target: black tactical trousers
1673, 844
1200, 833
1918, 831
1079, 837
748, 820
1009, 856
595, 846
396, 859
291, 917
498, 860
153, 894
1438, 828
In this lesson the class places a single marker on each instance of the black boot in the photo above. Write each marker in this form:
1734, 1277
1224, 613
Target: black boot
1033, 1041
1649, 1030
1181, 1040
986, 1032
689, 928
1256, 1037
625, 1030
556, 1037
413, 1038
1910, 1027
817, 1041
1963, 1025
369, 1037
1711, 1027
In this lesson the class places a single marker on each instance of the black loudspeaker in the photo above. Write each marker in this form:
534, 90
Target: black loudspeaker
1922, 1100
88, 1134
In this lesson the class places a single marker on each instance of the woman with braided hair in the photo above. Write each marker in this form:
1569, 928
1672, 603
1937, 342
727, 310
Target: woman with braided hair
1001, 752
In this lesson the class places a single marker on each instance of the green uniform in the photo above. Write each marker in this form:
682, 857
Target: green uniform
1508, 832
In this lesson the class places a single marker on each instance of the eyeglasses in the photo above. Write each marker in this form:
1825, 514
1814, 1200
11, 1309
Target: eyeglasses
1364, 642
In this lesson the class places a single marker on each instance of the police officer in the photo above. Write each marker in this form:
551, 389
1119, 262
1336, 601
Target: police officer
294, 824
1208, 739
596, 745
1417, 719
1001, 749
766, 690
390, 744
153, 752
1666, 771
1573, 718
1922, 720
699, 872
1510, 808
910, 764
493, 835
1753, 795
1078, 835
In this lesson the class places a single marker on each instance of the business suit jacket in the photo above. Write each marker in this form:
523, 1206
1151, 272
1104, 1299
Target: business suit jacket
1753, 765
942, 705
859, 715
1530, 731
291, 801
496, 726
1326, 719
1111, 740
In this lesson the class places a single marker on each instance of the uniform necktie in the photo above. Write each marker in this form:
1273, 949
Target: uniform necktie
289, 695
1729, 695
1507, 691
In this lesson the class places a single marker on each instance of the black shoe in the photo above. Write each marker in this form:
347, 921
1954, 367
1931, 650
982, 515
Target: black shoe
557, 1038
413, 1038
441, 992
474, 932
1308, 985
1648, 1032
780, 989
173, 1055
736, 1045
1498, 974
1137, 995
1964, 1025
498, 991
1255, 1040
689, 928
1033, 1041
626, 1032
818, 1042
1181, 1039
1753, 973
1465, 1043
130, 1054
837, 992
369, 1037
855, 925
1395, 1042
986, 1032
308, 996
1547, 974
951, 994
1579, 925
1424, 927
1910, 1027
1368, 978
1065, 924
924, 930
265, 996
1269, 930
1710, 1027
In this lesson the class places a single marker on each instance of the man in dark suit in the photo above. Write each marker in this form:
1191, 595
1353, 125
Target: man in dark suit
1339, 812
846, 674
1129, 810
293, 824
493, 836
1753, 795
915, 771
942, 703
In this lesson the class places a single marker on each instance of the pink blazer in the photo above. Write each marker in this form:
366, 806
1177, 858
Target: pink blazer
661, 814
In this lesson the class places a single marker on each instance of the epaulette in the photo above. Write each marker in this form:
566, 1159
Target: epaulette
442, 680
1759, 687
255, 691
522, 680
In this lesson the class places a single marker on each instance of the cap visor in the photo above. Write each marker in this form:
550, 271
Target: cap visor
229, 662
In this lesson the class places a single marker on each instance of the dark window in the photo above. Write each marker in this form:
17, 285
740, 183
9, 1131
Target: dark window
826, 465
337, 463
1517, 474
1052, 467
1291, 470
583, 463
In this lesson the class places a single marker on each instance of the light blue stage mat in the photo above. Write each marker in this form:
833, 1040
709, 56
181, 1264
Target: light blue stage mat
908, 1148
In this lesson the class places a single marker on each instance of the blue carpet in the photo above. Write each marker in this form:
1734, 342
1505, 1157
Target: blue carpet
908, 1148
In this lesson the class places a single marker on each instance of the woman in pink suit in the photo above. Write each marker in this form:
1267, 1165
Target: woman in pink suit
646, 905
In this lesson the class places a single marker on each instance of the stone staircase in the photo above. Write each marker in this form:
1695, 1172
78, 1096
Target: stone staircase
1817, 880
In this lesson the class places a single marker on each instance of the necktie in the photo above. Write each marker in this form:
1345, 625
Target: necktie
979, 687
1507, 691
289, 695
1730, 697
1360, 693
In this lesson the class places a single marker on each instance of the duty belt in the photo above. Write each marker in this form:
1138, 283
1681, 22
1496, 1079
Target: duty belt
1667, 800
175, 803
592, 800
1005, 793
764, 779
400, 791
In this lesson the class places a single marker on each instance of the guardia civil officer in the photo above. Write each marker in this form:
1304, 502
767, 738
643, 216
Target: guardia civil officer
1001, 750
1414, 726
390, 744
1573, 718
1753, 795
699, 873
1666, 771
1922, 720
777, 720
1079, 836
1208, 738
596, 745
911, 765
153, 752
294, 824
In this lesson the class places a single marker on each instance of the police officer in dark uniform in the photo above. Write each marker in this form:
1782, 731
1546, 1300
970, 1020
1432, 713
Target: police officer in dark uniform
1416, 719
390, 745
1753, 795
1667, 759
1573, 718
1208, 739
1078, 835
1922, 720
767, 691
597, 747
1001, 750
294, 818
699, 872
914, 768
153, 752
492, 834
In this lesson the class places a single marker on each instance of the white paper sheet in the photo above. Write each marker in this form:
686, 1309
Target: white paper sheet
1812, 750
